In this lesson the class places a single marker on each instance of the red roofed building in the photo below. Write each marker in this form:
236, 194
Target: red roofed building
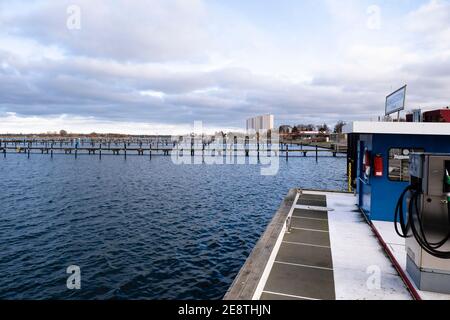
440, 115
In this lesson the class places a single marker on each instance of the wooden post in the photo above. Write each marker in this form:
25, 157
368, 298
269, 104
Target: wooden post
125, 150
287, 153
317, 154
100, 152
349, 176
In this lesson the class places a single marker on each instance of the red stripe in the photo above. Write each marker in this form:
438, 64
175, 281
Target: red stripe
397, 266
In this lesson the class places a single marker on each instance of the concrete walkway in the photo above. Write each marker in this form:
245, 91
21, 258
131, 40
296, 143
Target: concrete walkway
318, 246
303, 267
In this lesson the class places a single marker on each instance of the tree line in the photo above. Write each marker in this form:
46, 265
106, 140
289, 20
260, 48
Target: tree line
322, 128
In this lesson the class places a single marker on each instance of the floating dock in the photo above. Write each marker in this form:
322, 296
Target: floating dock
319, 246
166, 148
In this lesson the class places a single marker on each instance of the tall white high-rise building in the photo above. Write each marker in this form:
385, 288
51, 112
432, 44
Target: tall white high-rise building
261, 123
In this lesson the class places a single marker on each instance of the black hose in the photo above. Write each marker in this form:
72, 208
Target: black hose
399, 217
434, 245
430, 248
418, 232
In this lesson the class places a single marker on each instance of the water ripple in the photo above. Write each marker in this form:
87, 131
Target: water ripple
139, 229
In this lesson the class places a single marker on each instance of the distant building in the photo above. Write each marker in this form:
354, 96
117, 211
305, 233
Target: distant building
439, 115
414, 116
285, 130
261, 123
313, 136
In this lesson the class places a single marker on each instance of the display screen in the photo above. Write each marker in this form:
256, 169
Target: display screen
399, 163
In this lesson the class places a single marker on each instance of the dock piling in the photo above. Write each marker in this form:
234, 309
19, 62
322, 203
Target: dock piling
247, 150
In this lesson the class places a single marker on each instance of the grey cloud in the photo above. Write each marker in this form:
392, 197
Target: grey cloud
436, 68
110, 91
113, 57
132, 30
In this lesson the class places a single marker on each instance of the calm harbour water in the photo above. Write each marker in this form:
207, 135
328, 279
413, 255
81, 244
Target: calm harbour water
138, 228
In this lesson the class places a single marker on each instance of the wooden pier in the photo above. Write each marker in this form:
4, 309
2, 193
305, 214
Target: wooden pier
164, 151
159, 148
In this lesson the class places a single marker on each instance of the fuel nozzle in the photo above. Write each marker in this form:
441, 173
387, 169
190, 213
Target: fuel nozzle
447, 180
447, 184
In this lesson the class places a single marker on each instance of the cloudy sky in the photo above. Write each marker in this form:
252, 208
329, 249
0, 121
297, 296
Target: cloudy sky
157, 66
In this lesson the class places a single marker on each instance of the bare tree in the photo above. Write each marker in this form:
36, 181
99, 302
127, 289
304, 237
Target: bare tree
339, 126
323, 128
284, 129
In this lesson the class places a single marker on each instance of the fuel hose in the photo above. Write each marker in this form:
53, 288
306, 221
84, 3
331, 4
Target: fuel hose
412, 224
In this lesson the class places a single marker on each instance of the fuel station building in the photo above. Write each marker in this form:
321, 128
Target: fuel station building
379, 160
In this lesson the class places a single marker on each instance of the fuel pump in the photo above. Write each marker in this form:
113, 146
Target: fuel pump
426, 221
